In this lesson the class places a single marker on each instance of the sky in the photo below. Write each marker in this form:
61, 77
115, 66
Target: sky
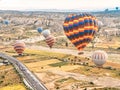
58, 4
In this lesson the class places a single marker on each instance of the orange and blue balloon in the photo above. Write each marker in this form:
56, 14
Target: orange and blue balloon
80, 29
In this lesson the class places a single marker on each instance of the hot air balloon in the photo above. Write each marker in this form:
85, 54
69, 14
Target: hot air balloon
19, 47
39, 29
46, 33
48, 37
80, 29
6, 22
100, 24
99, 58
50, 40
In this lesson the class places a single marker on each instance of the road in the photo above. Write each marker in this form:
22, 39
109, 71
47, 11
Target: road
60, 50
26, 74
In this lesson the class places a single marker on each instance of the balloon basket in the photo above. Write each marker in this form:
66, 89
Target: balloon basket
99, 67
20, 55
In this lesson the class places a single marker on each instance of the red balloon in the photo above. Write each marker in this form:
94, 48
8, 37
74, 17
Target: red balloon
19, 47
50, 40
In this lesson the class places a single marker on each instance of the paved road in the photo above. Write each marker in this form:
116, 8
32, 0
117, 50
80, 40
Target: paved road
23, 70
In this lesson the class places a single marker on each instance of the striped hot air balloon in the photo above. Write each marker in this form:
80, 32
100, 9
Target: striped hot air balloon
19, 47
99, 57
50, 40
80, 29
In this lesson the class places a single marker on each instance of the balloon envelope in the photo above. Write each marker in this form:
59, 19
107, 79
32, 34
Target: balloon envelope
39, 29
80, 29
50, 41
99, 57
6, 22
19, 47
46, 33
100, 24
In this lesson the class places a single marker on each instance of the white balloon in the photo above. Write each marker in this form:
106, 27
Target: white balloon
99, 57
100, 24
46, 33
19, 42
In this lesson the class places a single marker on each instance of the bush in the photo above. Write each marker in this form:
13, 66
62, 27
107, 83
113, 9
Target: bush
91, 83
1, 82
118, 48
87, 69
109, 68
57, 87
3, 76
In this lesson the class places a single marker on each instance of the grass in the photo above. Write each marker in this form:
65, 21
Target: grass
65, 82
90, 71
58, 64
41, 66
45, 53
73, 83
9, 77
69, 79
106, 88
14, 87
42, 63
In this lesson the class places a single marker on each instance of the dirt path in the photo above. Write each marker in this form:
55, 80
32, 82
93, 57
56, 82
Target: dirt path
112, 56
59, 50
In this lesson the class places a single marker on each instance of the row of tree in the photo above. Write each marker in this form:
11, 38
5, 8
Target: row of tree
116, 9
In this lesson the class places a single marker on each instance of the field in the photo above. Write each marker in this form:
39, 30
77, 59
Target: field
14, 87
54, 72
9, 79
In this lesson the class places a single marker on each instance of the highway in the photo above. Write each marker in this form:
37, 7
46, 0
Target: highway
34, 83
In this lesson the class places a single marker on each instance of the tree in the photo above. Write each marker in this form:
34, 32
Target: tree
117, 8
106, 10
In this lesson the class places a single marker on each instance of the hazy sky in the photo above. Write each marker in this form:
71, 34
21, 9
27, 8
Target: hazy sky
58, 4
